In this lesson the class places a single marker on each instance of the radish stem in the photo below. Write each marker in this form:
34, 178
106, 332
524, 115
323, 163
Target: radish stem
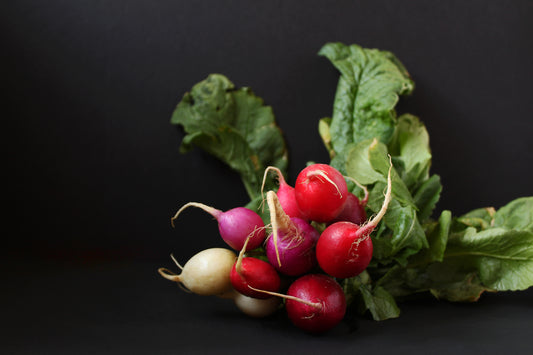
364, 201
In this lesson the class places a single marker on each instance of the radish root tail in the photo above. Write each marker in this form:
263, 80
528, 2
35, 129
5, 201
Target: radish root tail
211, 210
364, 201
169, 275
176, 262
288, 297
281, 179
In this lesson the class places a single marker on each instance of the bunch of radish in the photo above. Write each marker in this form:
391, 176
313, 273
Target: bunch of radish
317, 235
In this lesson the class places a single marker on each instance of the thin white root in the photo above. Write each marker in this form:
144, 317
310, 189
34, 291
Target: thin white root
388, 196
365, 229
288, 297
238, 264
169, 275
176, 262
326, 177
211, 210
362, 187
281, 179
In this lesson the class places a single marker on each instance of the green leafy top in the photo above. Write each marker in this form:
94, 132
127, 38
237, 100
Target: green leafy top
235, 126
370, 83
454, 258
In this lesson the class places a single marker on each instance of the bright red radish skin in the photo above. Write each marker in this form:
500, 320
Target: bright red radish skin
324, 307
342, 251
285, 195
320, 192
235, 225
345, 249
257, 274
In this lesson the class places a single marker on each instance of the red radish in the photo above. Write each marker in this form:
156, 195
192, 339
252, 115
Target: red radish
342, 251
256, 273
353, 211
290, 247
234, 225
285, 194
320, 192
207, 273
345, 249
249, 271
315, 303
326, 307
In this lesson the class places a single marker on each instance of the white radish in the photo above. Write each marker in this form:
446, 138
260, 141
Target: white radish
206, 273
255, 307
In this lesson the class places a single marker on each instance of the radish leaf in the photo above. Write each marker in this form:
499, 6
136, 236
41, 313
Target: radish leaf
517, 214
235, 126
367, 92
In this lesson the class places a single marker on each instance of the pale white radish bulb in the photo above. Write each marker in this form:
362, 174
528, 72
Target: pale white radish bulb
206, 273
256, 307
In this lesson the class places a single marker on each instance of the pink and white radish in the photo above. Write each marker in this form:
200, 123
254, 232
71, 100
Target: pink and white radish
234, 225
320, 192
290, 247
345, 249
315, 303
207, 273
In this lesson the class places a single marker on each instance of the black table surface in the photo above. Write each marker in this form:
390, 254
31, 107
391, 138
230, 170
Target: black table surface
124, 306
93, 171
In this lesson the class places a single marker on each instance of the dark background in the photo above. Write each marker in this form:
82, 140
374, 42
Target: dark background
94, 171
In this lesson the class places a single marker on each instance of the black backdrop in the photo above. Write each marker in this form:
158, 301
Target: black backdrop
93, 168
